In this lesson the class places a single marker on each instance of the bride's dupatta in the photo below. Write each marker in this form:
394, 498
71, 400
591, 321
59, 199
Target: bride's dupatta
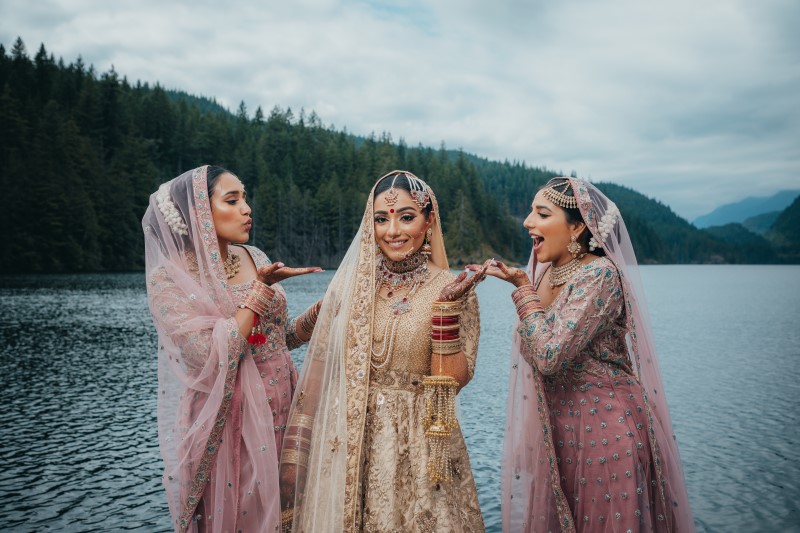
322, 456
215, 428
532, 498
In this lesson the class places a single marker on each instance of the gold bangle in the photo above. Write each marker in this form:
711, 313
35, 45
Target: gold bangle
302, 421
294, 457
445, 308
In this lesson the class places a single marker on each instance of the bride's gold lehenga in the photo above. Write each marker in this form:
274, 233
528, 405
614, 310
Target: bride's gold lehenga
396, 492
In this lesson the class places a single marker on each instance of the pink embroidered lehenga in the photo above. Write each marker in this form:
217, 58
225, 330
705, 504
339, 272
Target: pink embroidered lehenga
589, 443
222, 403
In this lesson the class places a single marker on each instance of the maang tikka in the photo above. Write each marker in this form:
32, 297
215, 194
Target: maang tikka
418, 189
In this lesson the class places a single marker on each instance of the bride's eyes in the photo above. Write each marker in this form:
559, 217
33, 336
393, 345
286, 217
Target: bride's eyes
407, 218
380, 220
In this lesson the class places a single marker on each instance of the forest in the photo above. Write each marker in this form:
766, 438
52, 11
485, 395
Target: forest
81, 152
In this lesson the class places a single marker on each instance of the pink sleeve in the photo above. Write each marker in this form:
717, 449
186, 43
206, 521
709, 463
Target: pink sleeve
553, 338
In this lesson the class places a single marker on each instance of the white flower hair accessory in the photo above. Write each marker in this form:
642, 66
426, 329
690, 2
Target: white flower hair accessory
170, 212
604, 228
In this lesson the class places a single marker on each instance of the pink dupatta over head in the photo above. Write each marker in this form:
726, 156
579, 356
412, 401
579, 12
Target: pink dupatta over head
532, 499
220, 474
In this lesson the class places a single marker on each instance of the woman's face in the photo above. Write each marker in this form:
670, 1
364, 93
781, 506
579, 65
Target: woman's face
547, 225
229, 210
399, 228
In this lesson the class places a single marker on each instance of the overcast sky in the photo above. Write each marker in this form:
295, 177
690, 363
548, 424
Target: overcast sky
693, 103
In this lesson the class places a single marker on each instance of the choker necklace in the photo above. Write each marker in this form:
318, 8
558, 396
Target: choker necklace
405, 274
559, 275
232, 265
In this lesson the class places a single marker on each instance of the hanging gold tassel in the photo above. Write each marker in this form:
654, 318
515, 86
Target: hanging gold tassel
440, 422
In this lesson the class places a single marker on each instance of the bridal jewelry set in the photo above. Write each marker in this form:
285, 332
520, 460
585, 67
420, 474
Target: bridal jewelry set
408, 274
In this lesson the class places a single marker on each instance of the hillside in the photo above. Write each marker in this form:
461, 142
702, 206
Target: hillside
87, 150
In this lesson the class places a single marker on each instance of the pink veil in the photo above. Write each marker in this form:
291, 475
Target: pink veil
203, 371
531, 495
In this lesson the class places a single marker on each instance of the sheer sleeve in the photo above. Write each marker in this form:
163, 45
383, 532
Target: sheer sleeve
552, 338
189, 322
470, 331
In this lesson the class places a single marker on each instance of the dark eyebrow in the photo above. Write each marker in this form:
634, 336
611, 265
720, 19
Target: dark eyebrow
401, 210
542, 207
233, 192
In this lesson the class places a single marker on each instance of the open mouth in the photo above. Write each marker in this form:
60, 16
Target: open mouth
395, 244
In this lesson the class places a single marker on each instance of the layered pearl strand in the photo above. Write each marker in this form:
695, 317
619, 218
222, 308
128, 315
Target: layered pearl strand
409, 274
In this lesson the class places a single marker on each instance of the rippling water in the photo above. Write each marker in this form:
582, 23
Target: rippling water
78, 388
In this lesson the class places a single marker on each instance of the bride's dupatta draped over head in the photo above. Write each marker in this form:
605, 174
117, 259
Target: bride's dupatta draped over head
330, 401
532, 498
202, 370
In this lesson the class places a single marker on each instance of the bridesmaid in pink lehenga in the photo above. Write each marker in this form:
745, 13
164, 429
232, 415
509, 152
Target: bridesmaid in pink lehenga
589, 443
225, 378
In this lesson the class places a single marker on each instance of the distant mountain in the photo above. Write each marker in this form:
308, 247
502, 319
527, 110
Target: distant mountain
747, 208
761, 223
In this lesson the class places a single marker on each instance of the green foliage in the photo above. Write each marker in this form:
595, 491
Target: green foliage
82, 153
785, 233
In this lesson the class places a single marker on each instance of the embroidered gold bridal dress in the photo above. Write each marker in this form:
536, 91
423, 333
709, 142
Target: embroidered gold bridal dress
396, 494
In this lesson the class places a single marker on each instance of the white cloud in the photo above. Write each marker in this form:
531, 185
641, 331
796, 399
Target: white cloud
694, 104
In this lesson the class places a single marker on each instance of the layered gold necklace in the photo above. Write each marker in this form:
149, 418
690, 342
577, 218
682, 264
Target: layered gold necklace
559, 275
409, 274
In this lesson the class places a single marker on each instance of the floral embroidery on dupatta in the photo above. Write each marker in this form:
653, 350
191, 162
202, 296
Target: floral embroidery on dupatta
211, 249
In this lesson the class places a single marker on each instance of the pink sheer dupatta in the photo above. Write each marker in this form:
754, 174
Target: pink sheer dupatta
215, 428
532, 499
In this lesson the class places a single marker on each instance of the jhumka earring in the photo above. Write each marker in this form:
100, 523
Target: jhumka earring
426, 249
574, 247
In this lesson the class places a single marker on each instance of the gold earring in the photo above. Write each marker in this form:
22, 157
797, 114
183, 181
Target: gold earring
426, 249
574, 247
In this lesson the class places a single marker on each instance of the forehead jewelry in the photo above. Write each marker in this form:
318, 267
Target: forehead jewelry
419, 191
391, 194
559, 197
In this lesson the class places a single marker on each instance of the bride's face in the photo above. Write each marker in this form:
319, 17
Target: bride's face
399, 228
230, 211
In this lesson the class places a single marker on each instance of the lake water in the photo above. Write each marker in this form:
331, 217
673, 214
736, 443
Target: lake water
78, 390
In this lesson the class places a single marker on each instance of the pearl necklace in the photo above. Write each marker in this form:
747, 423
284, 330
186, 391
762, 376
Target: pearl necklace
559, 275
232, 265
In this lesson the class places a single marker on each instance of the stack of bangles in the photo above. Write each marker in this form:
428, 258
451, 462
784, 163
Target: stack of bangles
258, 300
307, 321
527, 301
445, 329
297, 440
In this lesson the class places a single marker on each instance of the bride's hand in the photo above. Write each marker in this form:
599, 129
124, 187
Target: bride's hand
498, 269
277, 272
462, 284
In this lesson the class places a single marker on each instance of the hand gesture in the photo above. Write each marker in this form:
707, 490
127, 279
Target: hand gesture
516, 276
462, 284
276, 272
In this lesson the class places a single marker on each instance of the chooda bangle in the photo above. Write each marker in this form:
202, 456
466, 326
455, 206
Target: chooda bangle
259, 299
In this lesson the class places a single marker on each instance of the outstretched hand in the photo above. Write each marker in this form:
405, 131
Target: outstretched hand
516, 276
277, 272
463, 284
